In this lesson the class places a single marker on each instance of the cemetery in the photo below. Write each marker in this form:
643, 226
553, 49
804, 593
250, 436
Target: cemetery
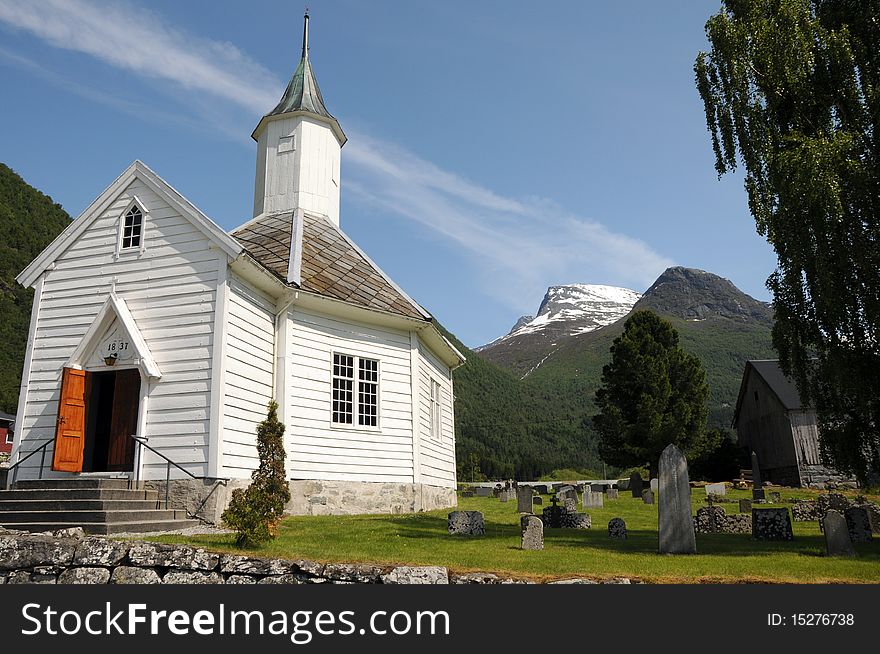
667, 530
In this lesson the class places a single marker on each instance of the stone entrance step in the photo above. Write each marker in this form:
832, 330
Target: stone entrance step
99, 505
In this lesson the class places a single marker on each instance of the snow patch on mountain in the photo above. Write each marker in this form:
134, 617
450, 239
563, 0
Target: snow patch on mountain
575, 309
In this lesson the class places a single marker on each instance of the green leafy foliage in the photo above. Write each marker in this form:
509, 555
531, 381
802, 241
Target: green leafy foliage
29, 221
791, 90
254, 511
653, 393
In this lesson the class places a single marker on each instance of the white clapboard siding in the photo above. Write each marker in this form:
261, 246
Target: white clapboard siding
436, 455
170, 291
315, 449
249, 360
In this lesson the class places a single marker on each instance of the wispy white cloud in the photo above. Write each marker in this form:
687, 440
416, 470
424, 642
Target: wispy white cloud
138, 40
521, 245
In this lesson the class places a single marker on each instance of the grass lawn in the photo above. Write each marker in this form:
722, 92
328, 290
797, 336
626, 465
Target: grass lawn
421, 539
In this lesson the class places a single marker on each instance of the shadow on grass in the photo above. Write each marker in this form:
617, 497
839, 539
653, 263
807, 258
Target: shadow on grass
428, 527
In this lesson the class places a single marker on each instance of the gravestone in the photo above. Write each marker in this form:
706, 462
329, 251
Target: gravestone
655, 484
597, 488
837, 538
542, 489
716, 489
771, 524
775, 496
552, 515
537, 499
648, 496
636, 484
675, 524
467, 493
612, 494
570, 504
858, 524
532, 531
466, 523
483, 491
745, 506
757, 484
575, 520
567, 492
593, 500
616, 528
504, 495
524, 500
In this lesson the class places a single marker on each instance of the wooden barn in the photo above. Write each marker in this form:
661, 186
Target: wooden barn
150, 320
771, 420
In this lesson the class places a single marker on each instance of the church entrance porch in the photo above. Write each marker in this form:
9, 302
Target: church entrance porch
97, 414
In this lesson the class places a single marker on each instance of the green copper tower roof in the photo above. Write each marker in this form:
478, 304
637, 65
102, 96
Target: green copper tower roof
302, 93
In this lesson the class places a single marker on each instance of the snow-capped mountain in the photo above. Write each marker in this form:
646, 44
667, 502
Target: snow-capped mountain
574, 309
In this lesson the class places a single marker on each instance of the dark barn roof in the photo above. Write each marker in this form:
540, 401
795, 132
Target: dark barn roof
783, 387
330, 264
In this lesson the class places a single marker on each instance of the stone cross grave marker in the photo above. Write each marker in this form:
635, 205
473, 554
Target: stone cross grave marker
837, 538
757, 483
524, 499
532, 531
675, 523
636, 484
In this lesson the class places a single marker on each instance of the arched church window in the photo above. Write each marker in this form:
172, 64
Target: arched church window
132, 228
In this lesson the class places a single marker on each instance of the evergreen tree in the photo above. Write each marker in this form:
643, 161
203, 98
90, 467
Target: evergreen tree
792, 93
653, 393
254, 512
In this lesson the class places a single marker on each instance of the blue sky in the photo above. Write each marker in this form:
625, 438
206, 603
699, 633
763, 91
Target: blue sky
495, 148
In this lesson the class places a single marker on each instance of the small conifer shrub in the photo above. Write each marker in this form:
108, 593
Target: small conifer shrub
254, 512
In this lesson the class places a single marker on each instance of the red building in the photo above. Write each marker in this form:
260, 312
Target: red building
7, 425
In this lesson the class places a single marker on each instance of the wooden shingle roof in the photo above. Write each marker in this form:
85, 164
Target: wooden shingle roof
330, 264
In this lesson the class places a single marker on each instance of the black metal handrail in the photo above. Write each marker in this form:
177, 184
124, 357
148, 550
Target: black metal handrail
14, 467
142, 442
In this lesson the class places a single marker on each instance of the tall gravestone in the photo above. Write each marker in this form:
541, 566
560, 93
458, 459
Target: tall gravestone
532, 532
593, 500
757, 482
837, 538
676, 526
524, 499
636, 485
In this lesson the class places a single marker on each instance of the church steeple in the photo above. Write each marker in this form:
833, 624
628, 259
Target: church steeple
298, 148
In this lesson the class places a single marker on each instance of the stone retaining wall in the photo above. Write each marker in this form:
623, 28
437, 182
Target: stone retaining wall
69, 556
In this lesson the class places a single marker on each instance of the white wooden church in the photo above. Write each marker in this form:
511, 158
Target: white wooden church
150, 320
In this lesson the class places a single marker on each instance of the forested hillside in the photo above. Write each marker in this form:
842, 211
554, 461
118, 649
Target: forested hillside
29, 220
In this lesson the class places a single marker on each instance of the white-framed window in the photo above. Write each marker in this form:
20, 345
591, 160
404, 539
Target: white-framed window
131, 228
436, 409
9, 437
355, 391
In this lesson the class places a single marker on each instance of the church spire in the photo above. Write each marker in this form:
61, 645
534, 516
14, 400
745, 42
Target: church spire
302, 93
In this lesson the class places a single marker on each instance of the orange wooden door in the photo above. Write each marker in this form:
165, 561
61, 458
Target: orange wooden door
123, 421
71, 428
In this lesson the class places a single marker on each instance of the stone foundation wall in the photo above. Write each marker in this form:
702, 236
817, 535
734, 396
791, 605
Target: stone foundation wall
69, 557
207, 499
357, 497
203, 499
